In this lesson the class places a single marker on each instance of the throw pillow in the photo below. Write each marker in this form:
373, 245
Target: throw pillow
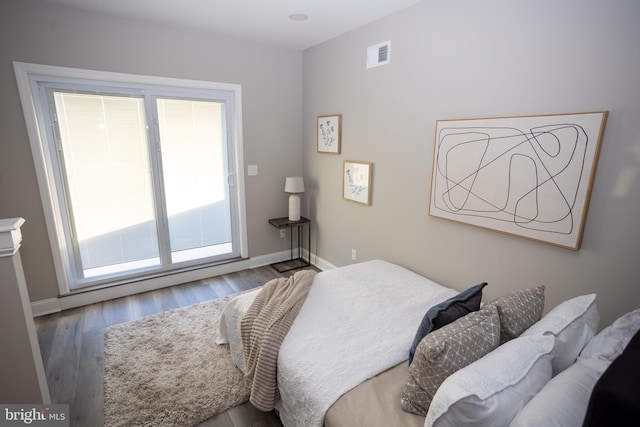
615, 400
446, 350
518, 311
491, 391
446, 312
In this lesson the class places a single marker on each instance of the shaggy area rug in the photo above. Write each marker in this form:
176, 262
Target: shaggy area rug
166, 370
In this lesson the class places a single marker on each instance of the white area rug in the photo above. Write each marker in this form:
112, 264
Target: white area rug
166, 370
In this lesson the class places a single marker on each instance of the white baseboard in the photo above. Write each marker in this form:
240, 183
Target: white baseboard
322, 264
45, 306
54, 305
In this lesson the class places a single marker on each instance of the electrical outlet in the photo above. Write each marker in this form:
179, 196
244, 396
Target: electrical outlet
353, 254
283, 233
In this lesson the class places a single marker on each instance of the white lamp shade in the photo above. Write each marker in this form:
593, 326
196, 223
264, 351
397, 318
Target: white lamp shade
294, 184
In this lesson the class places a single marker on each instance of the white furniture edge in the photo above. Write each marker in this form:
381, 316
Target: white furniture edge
10, 240
10, 236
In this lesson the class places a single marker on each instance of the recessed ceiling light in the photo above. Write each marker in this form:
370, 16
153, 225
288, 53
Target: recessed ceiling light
298, 17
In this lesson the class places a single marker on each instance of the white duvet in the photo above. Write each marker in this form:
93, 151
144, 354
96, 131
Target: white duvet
356, 322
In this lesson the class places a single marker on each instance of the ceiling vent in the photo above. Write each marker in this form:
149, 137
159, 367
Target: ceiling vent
379, 54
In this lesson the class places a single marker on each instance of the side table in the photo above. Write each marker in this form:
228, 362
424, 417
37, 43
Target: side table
299, 261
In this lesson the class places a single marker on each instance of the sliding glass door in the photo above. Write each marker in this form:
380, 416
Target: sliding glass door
105, 168
144, 179
194, 171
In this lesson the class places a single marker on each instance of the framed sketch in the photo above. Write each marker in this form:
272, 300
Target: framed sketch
524, 176
329, 133
356, 181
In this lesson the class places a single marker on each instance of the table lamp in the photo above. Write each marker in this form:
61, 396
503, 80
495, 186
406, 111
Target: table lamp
294, 185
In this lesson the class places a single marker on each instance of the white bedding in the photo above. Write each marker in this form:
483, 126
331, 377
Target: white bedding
356, 322
230, 326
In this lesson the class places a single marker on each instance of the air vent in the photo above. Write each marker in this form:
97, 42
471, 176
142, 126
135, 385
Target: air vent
379, 54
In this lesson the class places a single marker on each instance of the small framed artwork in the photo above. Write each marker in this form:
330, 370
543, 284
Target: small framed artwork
356, 182
328, 131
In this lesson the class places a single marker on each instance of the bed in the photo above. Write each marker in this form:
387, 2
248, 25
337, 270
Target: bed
344, 361
362, 319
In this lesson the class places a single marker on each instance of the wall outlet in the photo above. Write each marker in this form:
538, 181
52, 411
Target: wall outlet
283, 233
353, 254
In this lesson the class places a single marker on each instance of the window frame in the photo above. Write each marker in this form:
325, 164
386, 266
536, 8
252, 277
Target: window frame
30, 76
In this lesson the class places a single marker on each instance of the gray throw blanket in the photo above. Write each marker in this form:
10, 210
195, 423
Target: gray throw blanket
263, 328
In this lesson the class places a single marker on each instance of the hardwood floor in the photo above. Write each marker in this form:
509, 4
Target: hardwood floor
72, 345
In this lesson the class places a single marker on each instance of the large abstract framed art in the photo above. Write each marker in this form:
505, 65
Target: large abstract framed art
524, 176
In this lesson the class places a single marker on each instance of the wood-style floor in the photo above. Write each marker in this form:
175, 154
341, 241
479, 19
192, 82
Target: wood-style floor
72, 345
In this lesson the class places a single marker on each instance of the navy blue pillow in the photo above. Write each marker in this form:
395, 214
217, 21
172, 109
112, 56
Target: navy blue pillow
446, 312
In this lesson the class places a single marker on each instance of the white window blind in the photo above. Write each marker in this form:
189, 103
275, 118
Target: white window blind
141, 175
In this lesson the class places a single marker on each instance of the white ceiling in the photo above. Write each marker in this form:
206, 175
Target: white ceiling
259, 20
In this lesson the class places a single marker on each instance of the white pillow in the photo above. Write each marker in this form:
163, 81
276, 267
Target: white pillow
572, 323
563, 401
491, 391
612, 340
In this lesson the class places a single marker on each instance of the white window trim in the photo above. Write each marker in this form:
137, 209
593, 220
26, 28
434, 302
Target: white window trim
39, 148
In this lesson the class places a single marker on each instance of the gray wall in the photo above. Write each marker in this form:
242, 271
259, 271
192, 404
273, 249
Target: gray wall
459, 59
467, 59
271, 79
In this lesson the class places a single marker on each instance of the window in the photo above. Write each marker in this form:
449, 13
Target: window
140, 172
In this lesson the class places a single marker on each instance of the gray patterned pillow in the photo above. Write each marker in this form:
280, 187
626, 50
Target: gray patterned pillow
518, 311
446, 350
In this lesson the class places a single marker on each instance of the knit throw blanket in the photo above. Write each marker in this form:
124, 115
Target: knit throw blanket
263, 328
